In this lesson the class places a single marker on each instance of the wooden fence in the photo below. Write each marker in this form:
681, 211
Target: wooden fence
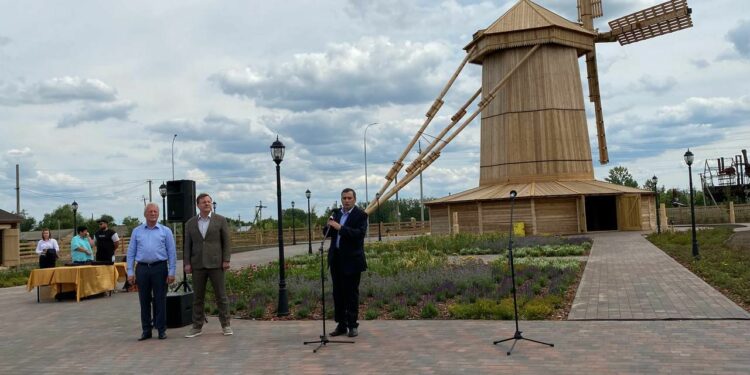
710, 214
243, 241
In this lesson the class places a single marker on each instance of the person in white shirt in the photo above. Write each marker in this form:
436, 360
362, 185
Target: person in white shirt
48, 250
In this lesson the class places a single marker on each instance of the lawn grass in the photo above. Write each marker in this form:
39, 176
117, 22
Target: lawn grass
723, 267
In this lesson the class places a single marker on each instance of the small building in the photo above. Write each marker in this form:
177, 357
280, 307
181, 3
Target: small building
9, 234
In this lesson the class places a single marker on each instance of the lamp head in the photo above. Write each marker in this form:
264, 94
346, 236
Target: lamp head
75, 206
307, 193
513, 194
163, 190
277, 151
654, 180
292, 204
689, 157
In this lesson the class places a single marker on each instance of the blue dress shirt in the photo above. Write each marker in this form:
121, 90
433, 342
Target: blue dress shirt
152, 244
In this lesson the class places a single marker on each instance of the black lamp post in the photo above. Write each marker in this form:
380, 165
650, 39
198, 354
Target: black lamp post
277, 153
380, 219
163, 193
294, 235
214, 206
689, 161
656, 190
75, 217
309, 227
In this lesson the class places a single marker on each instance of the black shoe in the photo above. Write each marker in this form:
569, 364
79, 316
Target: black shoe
144, 336
340, 330
353, 332
162, 335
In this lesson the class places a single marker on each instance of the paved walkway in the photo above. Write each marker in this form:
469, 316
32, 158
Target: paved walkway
99, 336
627, 277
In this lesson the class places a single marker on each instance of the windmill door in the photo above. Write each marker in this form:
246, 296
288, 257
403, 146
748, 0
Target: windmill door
629, 212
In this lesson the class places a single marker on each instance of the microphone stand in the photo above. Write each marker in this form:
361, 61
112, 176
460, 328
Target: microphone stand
517, 335
324, 337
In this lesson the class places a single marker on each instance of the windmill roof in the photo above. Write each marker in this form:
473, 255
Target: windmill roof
540, 189
528, 15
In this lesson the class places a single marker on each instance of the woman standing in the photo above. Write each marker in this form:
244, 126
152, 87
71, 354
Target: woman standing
47, 249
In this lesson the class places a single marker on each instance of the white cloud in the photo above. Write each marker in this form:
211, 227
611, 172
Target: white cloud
56, 90
372, 71
97, 112
15, 153
739, 36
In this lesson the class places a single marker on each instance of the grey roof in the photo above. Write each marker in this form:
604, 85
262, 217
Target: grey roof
7, 217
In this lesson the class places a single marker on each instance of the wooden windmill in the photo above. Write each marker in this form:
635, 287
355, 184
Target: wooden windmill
534, 135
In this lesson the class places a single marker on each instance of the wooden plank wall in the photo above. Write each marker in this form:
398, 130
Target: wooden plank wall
556, 215
496, 216
535, 128
648, 212
439, 219
468, 216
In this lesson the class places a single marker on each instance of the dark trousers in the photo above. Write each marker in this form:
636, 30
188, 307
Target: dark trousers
200, 280
152, 293
345, 297
47, 260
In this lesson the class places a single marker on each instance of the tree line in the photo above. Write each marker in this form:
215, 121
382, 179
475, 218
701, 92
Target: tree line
62, 217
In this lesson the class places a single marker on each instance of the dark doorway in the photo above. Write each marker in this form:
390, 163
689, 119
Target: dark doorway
601, 212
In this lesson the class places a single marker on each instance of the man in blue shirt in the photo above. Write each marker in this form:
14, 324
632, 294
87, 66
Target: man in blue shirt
152, 247
80, 247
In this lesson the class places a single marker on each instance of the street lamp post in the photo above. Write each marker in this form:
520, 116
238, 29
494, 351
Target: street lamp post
294, 229
309, 227
163, 193
173, 138
656, 190
277, 152
689, 161
364, 141
75, 217
380, 219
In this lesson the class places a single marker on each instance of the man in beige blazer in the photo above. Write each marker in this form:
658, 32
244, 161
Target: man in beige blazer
206, 256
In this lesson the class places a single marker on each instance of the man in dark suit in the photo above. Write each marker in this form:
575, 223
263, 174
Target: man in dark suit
346, 259
206, 256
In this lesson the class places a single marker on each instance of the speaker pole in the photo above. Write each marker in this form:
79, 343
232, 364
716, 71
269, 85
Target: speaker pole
516, 336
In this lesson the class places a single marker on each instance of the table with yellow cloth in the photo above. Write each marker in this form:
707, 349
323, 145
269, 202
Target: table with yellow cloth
84, 280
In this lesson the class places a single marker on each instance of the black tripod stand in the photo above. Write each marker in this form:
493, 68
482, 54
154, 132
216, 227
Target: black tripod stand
184, 283
324, 337
516, 336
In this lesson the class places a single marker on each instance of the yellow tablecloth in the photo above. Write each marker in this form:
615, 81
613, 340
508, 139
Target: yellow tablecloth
85, 280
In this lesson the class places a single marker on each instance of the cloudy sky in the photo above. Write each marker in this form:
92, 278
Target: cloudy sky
92, 93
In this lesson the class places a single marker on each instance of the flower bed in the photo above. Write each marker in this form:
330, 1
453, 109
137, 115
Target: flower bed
414, 280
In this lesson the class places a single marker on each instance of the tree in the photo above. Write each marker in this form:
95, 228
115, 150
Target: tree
130, 222
619, 175
28, 222
62, 216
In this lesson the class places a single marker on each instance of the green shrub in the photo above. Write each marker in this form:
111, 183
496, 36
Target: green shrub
483, 309
303, 312
539, 308
400, 312
371, 314
429, 311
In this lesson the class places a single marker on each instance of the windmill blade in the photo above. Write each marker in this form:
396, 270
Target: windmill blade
595, 9
595, 97
665, 18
